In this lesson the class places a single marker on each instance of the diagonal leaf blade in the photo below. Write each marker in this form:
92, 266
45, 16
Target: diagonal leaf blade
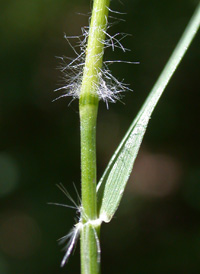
112, 184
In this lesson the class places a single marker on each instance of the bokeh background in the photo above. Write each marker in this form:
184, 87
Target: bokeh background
157, 227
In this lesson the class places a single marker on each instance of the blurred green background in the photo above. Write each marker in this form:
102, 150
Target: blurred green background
157, 227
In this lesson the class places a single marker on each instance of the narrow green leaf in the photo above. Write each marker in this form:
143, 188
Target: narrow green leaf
112, 184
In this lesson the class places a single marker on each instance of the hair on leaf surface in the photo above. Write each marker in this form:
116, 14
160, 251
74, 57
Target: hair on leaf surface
71, 238
108, 87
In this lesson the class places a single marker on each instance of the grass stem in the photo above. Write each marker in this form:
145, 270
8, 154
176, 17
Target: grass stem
88, 108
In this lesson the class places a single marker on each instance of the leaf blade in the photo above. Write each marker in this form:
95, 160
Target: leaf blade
112, 184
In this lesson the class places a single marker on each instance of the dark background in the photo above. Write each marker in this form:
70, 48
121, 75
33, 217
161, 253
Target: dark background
157, 227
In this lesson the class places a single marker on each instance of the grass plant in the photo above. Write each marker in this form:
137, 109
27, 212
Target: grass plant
92, 82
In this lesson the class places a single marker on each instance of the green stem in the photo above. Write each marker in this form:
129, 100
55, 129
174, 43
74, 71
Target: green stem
88, 108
